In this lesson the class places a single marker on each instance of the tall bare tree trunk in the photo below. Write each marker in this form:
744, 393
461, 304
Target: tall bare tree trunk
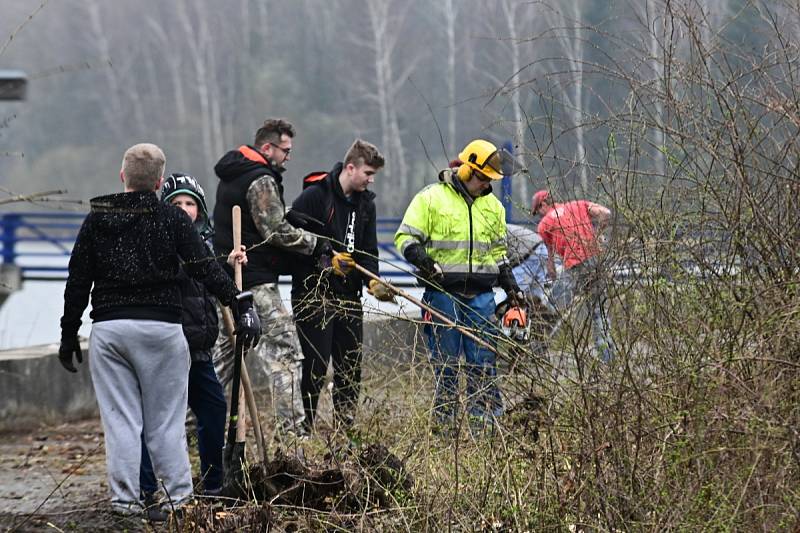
568, 33
197, 38
512, 19
384, 39
450, 16
112, 108
174, 68
657, 32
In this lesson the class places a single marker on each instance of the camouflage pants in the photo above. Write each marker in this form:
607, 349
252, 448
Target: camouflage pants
278, 356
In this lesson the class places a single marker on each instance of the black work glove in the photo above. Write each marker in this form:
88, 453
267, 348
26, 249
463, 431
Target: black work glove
323, 247
323, 253
431, 271
248, 325
508, 283
70, 346
517, 298
502, 308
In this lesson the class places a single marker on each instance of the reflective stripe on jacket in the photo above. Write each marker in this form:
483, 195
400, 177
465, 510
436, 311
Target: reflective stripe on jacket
467, 239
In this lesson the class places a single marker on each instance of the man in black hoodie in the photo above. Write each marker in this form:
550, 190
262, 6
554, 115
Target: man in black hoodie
128, 254
327, 305
251, 177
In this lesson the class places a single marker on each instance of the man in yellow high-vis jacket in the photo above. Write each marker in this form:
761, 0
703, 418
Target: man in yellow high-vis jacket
454, 232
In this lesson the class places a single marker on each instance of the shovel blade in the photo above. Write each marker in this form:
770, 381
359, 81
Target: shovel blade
233, 462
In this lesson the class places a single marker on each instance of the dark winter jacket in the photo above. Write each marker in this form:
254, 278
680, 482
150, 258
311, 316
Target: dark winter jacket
287, 246
128, 254
332, 212
199, 318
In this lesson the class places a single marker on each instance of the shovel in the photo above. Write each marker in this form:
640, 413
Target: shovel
233, 457
227, 319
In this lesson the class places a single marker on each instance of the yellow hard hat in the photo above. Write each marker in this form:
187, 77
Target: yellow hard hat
484, 157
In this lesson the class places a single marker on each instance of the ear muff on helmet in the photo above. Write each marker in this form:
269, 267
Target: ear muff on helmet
484, 157
464, 172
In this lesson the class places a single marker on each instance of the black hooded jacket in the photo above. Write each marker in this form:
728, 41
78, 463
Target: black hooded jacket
128, 254
331, 212
199, 317
237, 170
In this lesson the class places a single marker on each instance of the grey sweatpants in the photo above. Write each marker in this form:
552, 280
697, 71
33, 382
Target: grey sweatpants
140, 370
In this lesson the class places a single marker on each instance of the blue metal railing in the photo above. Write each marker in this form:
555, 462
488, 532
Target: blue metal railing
40, 244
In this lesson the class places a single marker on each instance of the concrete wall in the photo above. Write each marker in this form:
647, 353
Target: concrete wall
35, 388
10, 280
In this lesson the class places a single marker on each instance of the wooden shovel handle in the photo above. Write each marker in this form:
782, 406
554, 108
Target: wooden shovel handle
236, 215
237, 244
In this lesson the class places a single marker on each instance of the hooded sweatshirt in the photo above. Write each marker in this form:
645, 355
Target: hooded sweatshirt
128, 254
340, 218
248, 180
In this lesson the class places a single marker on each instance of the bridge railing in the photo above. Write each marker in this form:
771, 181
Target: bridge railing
40, 245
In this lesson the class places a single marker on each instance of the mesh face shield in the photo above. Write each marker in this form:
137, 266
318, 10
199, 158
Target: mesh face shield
501, 162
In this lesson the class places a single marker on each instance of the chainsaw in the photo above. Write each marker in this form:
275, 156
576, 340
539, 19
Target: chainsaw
515, 324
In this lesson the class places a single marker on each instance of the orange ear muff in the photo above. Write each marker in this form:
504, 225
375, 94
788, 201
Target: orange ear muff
464, 172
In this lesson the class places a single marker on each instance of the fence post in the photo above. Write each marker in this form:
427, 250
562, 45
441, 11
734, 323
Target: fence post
506, 191
9, 223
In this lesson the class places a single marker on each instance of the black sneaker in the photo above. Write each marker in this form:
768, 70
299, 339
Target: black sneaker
213, 495
152, 508
156, 514
163, 514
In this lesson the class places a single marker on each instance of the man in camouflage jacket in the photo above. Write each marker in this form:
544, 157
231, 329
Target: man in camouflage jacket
251, 177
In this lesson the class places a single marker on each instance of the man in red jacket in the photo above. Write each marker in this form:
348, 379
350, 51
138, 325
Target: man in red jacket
572, 230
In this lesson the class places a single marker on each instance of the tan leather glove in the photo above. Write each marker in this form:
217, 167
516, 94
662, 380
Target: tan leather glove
342, 263
380, 291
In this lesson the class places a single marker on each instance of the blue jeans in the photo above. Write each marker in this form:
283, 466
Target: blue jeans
587, 281
207, 402
446, 345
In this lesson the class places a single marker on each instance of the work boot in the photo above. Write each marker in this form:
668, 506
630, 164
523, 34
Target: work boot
292, 432
156, 515
213, 493
152, 508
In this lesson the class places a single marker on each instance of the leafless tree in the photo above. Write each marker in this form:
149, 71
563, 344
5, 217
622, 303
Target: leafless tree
386, 22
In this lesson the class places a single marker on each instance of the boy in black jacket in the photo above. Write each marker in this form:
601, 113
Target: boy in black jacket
200, 327
327, 307
128, 254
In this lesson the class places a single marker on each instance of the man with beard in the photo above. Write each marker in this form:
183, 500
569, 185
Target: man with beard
252, 177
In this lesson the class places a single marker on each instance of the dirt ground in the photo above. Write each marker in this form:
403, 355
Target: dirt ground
53, 477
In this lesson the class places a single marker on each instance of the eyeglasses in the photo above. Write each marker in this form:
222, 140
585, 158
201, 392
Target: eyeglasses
483, 178
286, 151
